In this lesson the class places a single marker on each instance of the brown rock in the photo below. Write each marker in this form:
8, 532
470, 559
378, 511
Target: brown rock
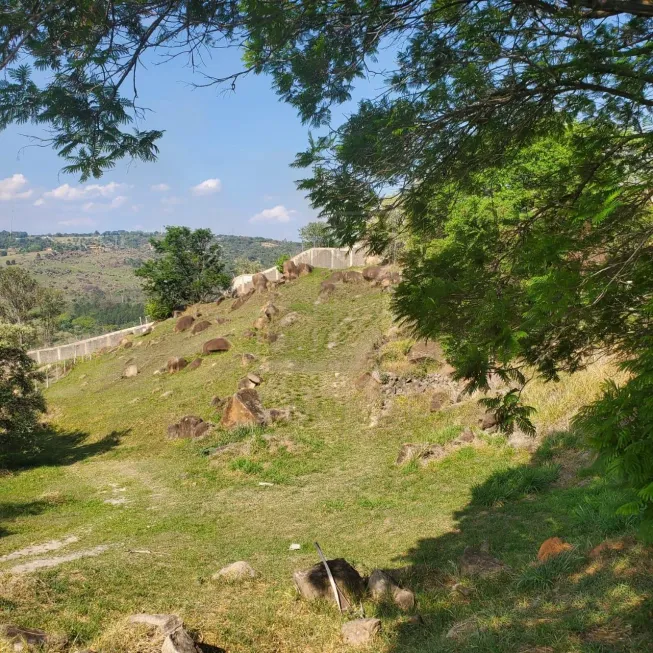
188, 427
198, 327
260, 282
246, 359
360, 632
465, 437
243, 409
372, 273
352, 276
221, 320
439, 399
261, 323
327, 288
217, 403
290, 270
24, 638
216, 345
220, 299
130, 371
304, 268
184, 323
314, 583
270, 310
242, 300
272, 337
195, 364
551, 548
475, 562
278, 415
176, 364
422, 452
334, 277
425, 350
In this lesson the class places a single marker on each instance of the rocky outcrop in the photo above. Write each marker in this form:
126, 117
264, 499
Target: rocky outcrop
198, 327
176, 364
314, 583
184, 323
216, 345
243, 409
360, 632
188, 427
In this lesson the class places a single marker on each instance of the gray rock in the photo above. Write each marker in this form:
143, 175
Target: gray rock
179, 642
360, 632
314, 583
240, 570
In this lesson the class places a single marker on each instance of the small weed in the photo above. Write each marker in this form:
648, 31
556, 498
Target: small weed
246, 466
514, 483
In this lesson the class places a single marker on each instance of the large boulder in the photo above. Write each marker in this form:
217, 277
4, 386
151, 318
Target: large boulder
313, 583
198, 327
352, 276
304, 269
176, 364
290, 270
243, 409
260, 282
360, 632
130, 371
188, 427
216, 345
184, 323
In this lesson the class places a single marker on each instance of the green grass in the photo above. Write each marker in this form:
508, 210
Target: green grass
333, 481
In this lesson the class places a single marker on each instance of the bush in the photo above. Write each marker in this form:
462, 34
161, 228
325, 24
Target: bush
281, 260
21, 402
514, 483
158, 309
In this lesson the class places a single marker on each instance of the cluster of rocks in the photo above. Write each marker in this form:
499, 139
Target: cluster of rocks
382, 276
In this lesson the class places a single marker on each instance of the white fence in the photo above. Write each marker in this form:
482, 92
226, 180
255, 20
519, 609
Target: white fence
334, 258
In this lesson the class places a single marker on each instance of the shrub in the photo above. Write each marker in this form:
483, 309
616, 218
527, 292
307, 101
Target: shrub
158, 309
281, 260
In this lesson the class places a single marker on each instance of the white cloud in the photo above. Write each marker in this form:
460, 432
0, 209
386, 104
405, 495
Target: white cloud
160, 188
69, 193
100, 207
39, 202
278, 213
207, 187
13, 188
78, 222
172, 200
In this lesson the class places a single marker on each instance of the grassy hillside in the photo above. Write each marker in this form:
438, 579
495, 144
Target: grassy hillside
170, 515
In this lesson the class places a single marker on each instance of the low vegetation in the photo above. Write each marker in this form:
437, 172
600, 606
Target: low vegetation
174, 512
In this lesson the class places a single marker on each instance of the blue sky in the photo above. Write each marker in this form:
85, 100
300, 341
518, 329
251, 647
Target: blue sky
224, 164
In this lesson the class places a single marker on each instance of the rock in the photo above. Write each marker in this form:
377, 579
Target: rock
260, 282
166, 623
125, 343
352, 276
243, 409
242, 300
551, 548
314, 583
488, 421
425, 350
255, 378
290, 270
130, 371
272, 337
217, 403
294, 547
235, 571
216, 345
179, 642
334, 277
246, 359
146, 331
422, 452
261, 323
366, 381
245, 384
372, 273
198, 327
464, 629
381, 586
221, 320
289, 319
304, 268
327, 288
176, 364
270, 310
439, 399
360, 632
275, 415
184, 323
475, 562
220, 299
195, 364
188, 427
24, 638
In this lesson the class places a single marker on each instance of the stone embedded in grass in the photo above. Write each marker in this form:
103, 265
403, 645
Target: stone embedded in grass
464, 629
21, 639
240, 570
261, 323
421, 452
278, 415
176, 364
270, 310
179, 641
243, 409
272, 338
130, 371
166, 623
313, 583
166, 394
372, 273
289, 319
475, 562
216, 345
221, 320
217, 402
198, 327
352, 276
327, 288
381, 586
552, 547
188, 427
195, 364
184, 323
360, 632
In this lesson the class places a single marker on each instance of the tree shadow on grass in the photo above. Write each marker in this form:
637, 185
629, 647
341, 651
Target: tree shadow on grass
10, 511
57, 447
580, 602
